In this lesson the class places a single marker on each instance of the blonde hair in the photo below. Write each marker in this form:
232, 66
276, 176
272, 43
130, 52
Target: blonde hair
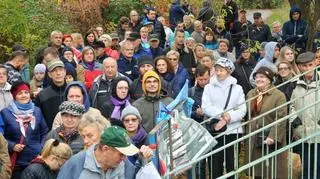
173, 52
98, 122
281, 58
56, 148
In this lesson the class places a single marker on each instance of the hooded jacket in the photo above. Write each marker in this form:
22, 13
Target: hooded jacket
214, 99
148, 106
5, 96
176, 14
295, 32
89, 110
178, 80
267, 61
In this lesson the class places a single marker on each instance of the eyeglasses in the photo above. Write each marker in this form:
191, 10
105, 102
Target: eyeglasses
132, 120
285, 69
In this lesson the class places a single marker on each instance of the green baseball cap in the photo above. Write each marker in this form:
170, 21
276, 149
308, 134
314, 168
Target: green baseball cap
118, 138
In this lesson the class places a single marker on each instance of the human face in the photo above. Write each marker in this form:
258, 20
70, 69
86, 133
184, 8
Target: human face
111, 157
221, 73
70, 121
242, 17
58, 75
318, 58
152, 85
296, 16
68, 55
3, 76
200, 52
207, 62
144, 33
198, 27
262, 81
21, 62
122, 89
68, 42
69, 79
144, 68
154, 44
110, 68
276, 52
88, 56
246, 54
54, 162
304, 67
75, 94
202, 81
289, 55
276, 28
56, 39
125, 26
174, 61
90, 135
284, 70
162, 66
209, 37
131, 123
179, 39
223, 47
186, 20
180, 26
105, 41
128, 51
257, 21
99, 52
134, 16
99, 31
23, 96
39, 76
151, 15
190, 44
48, 58
90, 38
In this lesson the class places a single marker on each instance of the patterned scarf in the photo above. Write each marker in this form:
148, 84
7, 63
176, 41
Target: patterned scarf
67, 135
24, 115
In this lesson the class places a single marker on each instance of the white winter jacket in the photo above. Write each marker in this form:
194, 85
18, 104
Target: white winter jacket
214, 99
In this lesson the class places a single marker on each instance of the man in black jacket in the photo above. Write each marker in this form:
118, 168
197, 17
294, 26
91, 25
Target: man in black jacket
157, 26
202, 78
50, 98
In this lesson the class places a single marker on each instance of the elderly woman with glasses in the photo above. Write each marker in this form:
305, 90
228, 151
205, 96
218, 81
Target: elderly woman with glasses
181, 74
132, 123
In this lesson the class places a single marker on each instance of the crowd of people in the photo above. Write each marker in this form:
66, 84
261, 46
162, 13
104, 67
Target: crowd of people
93, 98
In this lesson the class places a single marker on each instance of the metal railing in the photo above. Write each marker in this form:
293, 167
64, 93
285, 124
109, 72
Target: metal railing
268, 164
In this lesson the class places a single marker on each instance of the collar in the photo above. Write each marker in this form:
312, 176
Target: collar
6, 87
92, 164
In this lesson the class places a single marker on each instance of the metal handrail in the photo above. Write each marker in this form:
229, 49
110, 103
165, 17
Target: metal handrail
186, 165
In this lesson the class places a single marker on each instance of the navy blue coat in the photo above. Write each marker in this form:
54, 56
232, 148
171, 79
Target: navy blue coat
128, 68
179, 79
176, 14
34, 140
295, 32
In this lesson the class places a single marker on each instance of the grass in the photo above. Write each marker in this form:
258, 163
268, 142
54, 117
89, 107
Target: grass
279, 14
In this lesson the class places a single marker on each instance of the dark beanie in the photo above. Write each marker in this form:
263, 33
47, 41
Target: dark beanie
70, 70
66, 49
114, 86
144, 59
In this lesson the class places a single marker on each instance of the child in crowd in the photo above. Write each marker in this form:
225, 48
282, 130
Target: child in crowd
36, 84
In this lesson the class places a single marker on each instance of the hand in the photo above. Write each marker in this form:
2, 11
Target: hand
226, 116
199, 111
269, 141
146, 152
220, 124
18, 147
